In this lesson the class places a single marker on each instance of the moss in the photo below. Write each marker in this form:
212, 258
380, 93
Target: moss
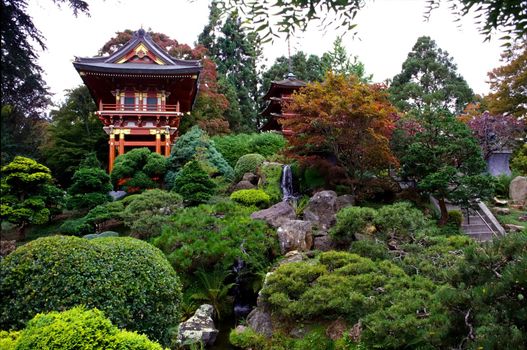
270, 176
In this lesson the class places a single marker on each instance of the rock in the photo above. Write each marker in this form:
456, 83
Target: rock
101, 235
502, 211
292, 256
514, 228
522, 218
295, 235
518, 189
198, 328
498, 201
260, 321
323, 243
275, 215
244, 185
6, 247
250, 177
346, 200
336, 329
321, 209
116, 195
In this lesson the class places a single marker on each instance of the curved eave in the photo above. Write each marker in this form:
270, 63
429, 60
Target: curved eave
151, 70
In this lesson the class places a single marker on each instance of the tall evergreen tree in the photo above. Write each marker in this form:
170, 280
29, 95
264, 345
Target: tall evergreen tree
235, 52
340, 62
429, 79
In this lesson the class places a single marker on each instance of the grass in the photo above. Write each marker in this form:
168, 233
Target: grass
513, 218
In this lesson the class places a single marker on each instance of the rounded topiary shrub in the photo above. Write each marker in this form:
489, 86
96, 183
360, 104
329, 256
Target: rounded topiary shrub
251, 197
78, 329
130, 280
248, 163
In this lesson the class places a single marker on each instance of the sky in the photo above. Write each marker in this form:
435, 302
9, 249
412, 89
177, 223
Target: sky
387, 30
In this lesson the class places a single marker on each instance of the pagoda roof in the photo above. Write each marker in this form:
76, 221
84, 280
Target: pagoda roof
140, 55
288, 85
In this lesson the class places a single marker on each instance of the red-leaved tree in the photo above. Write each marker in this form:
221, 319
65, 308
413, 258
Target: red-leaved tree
344, 122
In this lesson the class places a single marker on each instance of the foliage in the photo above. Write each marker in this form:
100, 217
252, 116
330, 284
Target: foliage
88, 224
248, 163
194, 184
343, 120
89, 188
455, 217
352, 221
486, 302
270, 177
204, 236
248, 339
235, 52
80, 329
400, 219
251, 198
496, 132
232, 147
519, 161
138, 169
73, 132
214, 290
57, 273
195, 144
149, 212
446, 161
429, 79
508, 83
28, 197
341, 63
389, 302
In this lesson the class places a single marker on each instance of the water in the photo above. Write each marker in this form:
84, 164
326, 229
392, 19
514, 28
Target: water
286, 183
243, 297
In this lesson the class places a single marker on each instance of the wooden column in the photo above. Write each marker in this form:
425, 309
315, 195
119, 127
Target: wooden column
112, 152
121, 142
158, 142
167, 144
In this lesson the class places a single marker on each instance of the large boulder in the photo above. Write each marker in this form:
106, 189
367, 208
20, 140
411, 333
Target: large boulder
323, 243
275, 215
295, 235
321, 209
260, 321
198, 328
344, 201
518, 189
244, 185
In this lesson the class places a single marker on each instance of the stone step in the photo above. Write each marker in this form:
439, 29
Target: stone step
476, 228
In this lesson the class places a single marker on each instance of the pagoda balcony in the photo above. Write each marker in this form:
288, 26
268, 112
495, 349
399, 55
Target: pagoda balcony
138, 110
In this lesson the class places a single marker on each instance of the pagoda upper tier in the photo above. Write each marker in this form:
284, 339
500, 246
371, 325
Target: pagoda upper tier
140, 69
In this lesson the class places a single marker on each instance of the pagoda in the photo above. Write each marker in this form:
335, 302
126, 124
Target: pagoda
141, 93
278, 95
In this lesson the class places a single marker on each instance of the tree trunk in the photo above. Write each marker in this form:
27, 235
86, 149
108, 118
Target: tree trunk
21, 232
444, 212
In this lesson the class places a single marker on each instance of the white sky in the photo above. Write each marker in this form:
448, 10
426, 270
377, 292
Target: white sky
387, 30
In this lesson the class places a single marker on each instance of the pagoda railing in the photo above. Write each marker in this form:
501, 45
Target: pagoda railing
138, 109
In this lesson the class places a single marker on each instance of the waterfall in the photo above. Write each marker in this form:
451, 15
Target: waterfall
243, 303
286, 183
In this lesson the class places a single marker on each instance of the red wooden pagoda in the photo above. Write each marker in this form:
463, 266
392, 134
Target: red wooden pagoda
141, 93
279, 94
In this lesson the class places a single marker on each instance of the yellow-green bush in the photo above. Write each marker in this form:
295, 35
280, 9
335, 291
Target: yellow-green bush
248, 163
77, 328
251, 197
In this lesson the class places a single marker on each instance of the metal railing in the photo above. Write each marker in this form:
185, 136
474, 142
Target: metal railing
119, 107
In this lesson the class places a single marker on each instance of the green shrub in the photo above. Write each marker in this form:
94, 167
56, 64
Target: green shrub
89, 188
248, 163
502, 185
248, 339
8, 340
194, 184
370, 249
232, 147
138, 169
87, 224
149, 212
81, 329
251, 197
270, 174
128, 279
352, 221
519, 161
204, 236
400, 219
195, 144
455, 217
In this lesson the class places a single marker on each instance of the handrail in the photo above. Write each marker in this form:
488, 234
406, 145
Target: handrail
138, 107
486, 223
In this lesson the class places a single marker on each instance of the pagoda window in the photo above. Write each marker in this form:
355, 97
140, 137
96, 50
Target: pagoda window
151, 102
